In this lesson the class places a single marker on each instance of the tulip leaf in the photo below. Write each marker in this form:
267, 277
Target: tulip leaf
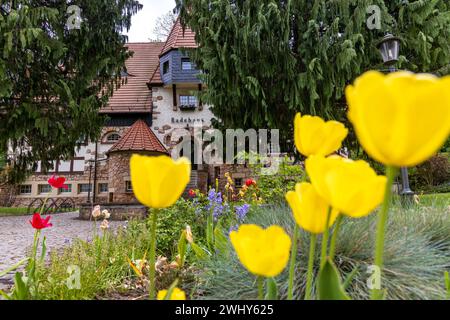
182, 247
44, 249
210, 230
220, 240
447, 283
4, 295
329, 285
272, 290
20, 288
170, 290
133, 266
200, 252
2, 273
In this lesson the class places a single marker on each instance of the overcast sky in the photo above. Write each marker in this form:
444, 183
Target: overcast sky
143, 22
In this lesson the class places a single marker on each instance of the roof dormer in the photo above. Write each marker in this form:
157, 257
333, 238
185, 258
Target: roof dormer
174, 63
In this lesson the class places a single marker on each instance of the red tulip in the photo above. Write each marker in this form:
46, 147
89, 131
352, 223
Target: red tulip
250, 182
38, 223
58, 182
192, 193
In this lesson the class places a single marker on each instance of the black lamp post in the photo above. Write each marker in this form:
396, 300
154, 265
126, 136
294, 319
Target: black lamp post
389, 48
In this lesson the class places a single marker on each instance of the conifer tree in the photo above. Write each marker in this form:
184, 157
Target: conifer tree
58, 66
265, 60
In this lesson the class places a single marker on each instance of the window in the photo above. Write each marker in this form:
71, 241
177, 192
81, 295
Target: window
113, 137
44, 189
186, 64
84, 188
238, 182
188, 100
103, 187
68, 190
128, 186
165, 67
25, 189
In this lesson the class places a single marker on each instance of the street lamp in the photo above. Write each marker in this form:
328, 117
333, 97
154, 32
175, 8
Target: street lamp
389, 48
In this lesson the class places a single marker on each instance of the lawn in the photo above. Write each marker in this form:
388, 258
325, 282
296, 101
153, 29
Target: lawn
13, 211
20, 211
435, 199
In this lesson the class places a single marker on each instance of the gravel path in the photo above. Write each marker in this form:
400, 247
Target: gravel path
16, 236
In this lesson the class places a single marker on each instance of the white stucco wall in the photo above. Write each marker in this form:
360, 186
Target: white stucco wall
166, 119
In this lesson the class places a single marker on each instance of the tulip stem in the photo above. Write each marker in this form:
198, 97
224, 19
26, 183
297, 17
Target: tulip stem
391, 173
152, 257
32, 266
323, 255
41, 211
260, 281
334, 236
309, 274
292, 264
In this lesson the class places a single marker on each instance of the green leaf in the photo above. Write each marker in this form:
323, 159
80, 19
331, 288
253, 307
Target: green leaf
329, 283
4, 295
201, 253
220, 240
44, 248
182, 248
20, 288
210, 230
349, 278
2, 273
447, 283
170, 290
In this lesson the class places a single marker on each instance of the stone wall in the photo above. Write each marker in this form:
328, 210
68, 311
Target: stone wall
167, 118
118, 175
239, 173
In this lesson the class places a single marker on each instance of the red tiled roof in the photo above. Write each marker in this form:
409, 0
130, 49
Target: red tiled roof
156, 77
179, 38
134, 95
139, 138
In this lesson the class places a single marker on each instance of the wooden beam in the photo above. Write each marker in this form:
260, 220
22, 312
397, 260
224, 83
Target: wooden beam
174, 91
200, 88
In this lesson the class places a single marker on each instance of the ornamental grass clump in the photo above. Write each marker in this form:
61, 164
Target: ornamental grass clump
417, 255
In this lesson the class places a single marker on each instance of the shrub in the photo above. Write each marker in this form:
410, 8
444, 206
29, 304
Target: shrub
274, 187
433, 172
173, 220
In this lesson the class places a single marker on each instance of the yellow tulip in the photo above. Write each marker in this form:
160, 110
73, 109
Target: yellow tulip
177, 294
310, 210
158, 182
315, 136
351, 187
401, 119
264, 252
